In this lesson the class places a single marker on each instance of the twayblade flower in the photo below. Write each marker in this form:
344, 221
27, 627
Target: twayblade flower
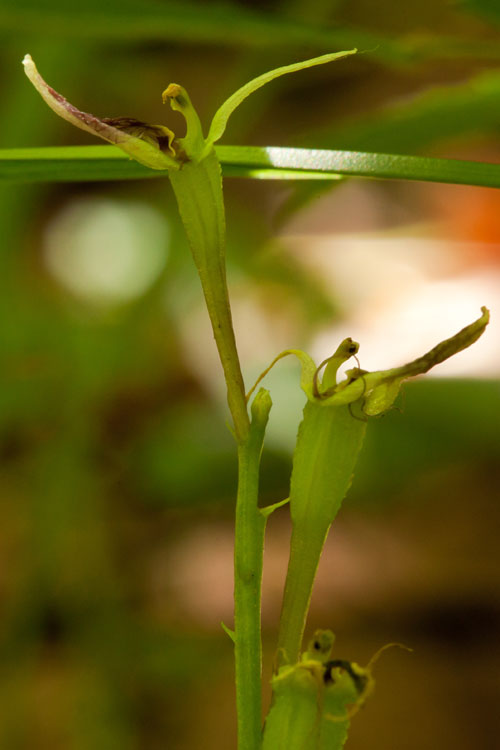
151, 145
379, 389
156, 146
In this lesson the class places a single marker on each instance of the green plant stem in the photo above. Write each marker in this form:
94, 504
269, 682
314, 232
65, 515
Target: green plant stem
198, 190
248, 560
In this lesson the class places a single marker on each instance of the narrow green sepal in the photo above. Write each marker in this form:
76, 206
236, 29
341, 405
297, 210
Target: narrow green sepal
193, 143
224, 112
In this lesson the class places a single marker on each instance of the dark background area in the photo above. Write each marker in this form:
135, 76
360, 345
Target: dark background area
118, 472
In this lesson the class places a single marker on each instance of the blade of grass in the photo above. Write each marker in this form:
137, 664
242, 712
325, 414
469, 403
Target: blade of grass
410, 125
90, 163
432, 116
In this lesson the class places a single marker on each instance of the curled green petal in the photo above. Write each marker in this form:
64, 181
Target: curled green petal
193, 143
346, 349
308, 369
381, 397
151, 145
224, 112
309, 378
379, 389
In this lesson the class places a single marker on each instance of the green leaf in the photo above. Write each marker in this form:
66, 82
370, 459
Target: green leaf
84, 163
328, 445
224, 112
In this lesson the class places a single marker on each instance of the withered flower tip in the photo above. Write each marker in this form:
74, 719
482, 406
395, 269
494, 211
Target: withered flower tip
151, 145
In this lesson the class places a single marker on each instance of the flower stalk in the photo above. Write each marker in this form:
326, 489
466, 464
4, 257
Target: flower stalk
330, 436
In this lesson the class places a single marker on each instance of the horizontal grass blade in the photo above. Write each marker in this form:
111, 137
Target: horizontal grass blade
406, 126
410, 125
96, 163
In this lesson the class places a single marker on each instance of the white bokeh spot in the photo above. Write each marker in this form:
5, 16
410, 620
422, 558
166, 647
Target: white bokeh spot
106, 251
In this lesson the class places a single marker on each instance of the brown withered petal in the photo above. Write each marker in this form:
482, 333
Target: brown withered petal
157, 135
150, 145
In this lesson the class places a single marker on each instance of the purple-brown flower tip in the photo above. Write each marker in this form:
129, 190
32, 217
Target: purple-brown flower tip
151, 145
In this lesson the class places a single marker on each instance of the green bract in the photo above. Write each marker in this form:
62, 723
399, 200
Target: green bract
328, 444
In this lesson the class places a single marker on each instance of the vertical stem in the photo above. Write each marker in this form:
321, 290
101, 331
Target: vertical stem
198, 189
248, 553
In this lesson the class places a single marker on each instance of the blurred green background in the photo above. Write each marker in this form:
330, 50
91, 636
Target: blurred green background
118, 472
